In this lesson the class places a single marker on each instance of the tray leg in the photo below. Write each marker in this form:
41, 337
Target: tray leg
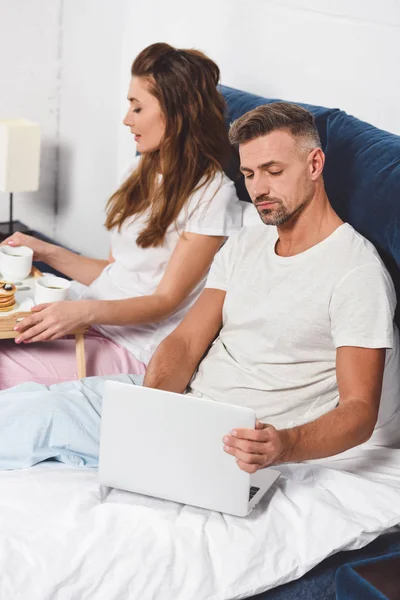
80, 354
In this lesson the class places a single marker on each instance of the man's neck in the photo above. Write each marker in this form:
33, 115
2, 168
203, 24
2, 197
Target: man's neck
316, 222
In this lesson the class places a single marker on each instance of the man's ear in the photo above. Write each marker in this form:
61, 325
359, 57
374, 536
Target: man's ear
316, 160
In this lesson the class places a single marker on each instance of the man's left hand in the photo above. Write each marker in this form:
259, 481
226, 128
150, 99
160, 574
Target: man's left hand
257, 448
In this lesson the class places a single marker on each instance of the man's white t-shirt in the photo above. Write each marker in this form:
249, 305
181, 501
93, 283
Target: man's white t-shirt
284, 318
212, 210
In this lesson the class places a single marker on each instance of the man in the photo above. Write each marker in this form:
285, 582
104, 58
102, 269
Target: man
296, 320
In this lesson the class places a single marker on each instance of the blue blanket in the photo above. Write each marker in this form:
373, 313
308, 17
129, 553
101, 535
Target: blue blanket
61, 422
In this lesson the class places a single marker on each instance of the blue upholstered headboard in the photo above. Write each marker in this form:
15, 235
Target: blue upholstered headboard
362, 173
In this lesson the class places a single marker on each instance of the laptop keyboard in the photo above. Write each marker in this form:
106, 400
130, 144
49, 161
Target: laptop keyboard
253, 492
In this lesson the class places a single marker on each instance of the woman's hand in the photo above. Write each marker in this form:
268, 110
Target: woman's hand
53, 321
257, 448
40, 249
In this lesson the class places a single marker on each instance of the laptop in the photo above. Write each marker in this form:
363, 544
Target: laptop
170, 446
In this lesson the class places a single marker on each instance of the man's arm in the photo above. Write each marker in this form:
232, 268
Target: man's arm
359, 373
177, 357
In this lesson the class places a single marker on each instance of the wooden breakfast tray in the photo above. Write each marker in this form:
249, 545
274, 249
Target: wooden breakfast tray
8, 322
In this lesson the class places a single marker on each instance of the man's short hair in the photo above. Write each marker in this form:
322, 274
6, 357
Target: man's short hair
285, 116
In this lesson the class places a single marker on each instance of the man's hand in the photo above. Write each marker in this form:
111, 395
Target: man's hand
257, 448
52, 321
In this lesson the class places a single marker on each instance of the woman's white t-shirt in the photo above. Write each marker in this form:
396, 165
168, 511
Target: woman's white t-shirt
212, 210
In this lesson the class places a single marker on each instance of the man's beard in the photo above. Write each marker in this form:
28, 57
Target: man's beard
279, 214
274, 216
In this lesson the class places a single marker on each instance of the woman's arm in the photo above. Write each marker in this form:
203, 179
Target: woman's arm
81, 268
188, 264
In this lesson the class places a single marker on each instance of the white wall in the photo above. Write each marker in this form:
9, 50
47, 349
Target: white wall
29, 81
66, 64
338, 53
60, 65
89, 120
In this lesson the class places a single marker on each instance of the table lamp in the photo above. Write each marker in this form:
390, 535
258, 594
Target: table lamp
19, 164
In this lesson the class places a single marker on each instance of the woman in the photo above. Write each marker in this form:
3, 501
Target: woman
167, 221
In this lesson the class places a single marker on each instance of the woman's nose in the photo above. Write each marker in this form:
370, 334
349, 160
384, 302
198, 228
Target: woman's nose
128, 120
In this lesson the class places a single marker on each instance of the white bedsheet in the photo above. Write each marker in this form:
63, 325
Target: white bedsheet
63, 537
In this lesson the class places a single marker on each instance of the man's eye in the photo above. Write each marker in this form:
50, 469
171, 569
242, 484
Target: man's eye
275, 172
137, 110
249, 176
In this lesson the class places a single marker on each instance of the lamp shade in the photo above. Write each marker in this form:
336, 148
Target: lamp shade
19, 155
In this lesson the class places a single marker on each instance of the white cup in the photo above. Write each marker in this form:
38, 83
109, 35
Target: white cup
15, 262
51, 289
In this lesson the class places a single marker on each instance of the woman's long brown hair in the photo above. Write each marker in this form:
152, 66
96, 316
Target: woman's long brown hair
194, 148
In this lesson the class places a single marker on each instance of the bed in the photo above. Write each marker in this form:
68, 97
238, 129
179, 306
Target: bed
63, 536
